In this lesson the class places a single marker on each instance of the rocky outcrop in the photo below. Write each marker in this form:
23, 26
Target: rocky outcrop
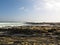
30, 35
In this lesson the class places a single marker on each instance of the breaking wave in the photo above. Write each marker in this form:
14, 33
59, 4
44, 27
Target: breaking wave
3, 24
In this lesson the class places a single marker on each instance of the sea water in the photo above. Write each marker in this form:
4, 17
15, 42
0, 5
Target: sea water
11, 23
17, 23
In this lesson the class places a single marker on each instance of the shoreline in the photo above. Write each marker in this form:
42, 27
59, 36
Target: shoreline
30, 35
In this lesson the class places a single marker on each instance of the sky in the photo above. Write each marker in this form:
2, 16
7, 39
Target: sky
30, 10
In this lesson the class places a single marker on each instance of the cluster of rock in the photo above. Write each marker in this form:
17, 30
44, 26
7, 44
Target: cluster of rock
30, 35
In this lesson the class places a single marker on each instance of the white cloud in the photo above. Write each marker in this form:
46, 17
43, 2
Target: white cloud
22, 8
49, 9
43, 11
52, 4
36, 7
47, 4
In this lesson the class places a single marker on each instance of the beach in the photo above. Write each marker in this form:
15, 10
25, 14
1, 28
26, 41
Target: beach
30, 35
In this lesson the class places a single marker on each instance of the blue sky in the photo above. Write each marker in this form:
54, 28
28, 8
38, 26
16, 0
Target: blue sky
30, 10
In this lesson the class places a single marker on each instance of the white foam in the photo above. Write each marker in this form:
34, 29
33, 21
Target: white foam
11, 24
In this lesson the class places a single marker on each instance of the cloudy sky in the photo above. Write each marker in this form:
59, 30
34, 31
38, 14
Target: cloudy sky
30, 10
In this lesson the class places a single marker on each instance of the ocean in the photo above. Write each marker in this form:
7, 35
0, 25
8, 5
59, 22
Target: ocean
11, 23
18, 23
